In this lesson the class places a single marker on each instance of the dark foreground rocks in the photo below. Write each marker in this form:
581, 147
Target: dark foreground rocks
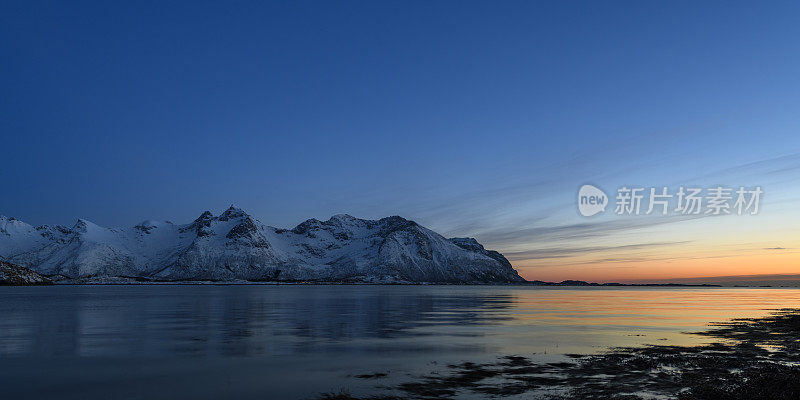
753, 359
11, 274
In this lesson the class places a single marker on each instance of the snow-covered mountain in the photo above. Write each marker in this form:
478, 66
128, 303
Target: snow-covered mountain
235, 246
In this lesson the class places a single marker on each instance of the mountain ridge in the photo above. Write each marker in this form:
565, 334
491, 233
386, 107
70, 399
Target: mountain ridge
234, 246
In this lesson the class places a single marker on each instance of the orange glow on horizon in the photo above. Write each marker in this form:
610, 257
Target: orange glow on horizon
773, 263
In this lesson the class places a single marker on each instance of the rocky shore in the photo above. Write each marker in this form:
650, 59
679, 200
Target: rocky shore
11, 274
755, 358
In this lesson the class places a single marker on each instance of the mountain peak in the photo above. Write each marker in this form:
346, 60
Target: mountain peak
200, 225
89, 230
232, 212
82, 225
394, 218
344, 217
342, 220
11, 225
307, 225
395, 223
206, 215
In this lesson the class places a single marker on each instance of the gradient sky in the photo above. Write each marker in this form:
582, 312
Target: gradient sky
473, 118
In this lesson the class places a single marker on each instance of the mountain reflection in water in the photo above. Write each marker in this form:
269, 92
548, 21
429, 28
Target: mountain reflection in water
227, 320
293, 341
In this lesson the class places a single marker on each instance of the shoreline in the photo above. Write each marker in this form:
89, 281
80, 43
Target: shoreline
749, 358
250, 283
571, 284
520, 285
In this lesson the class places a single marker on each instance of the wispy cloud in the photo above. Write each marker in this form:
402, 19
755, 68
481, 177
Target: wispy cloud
583, 230
768, 166
563, 252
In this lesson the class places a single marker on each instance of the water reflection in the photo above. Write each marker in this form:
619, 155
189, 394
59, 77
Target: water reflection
228, 320
255, 320
292, 342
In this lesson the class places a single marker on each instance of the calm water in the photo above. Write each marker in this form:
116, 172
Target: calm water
286, 342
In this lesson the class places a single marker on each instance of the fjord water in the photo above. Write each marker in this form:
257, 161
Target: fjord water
295, 341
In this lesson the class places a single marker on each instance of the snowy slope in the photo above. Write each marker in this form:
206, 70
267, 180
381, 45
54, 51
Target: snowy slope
235, 246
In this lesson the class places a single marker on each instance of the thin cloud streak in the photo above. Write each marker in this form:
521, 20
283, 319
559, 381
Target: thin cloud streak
577, 231
565, 252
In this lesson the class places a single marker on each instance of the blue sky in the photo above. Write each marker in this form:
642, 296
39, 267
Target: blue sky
473, 118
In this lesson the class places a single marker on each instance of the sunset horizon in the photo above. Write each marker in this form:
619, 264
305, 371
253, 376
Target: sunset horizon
399, 200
